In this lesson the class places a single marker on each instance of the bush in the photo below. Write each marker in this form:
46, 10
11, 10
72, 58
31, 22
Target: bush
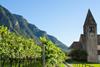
78, 55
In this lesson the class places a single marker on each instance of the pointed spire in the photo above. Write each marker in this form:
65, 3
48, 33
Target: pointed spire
89, 19
89, 14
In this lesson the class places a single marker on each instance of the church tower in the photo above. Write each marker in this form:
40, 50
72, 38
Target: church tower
90, 33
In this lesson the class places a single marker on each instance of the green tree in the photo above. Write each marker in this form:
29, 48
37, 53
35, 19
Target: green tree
15, 47
54, 55
78, 55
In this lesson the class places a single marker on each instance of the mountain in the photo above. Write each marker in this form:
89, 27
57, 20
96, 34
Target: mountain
21, 26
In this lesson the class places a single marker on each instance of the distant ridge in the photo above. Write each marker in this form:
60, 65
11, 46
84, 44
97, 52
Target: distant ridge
20, 25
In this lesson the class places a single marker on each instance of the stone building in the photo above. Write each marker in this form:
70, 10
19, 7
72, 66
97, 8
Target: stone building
89, 40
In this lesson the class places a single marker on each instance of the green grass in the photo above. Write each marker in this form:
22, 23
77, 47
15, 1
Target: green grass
82, 63
28, 64
86, 65
62, 65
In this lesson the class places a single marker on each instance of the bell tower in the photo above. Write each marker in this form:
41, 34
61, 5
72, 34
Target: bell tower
90, 33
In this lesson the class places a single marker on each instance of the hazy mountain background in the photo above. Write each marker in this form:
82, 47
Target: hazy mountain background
20, 25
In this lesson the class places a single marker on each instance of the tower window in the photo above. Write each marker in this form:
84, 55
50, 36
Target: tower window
91, 29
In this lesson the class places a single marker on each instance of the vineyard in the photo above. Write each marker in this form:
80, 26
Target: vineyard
18, 51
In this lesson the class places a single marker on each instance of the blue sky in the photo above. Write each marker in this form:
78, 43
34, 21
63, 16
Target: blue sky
63, 19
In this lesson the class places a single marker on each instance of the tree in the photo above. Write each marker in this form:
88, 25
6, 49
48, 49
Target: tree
53, 54
78, 55
15, 47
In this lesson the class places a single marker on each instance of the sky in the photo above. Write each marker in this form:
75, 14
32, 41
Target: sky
63, 19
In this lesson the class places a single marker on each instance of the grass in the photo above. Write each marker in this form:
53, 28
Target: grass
86, 65
82, 63
62, 65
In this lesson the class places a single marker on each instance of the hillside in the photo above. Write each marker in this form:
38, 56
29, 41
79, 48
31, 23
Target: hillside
21, 26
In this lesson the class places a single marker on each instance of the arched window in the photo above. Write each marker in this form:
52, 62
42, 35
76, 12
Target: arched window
91, 29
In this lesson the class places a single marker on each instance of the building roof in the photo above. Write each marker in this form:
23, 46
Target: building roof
76, 45
89, 19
